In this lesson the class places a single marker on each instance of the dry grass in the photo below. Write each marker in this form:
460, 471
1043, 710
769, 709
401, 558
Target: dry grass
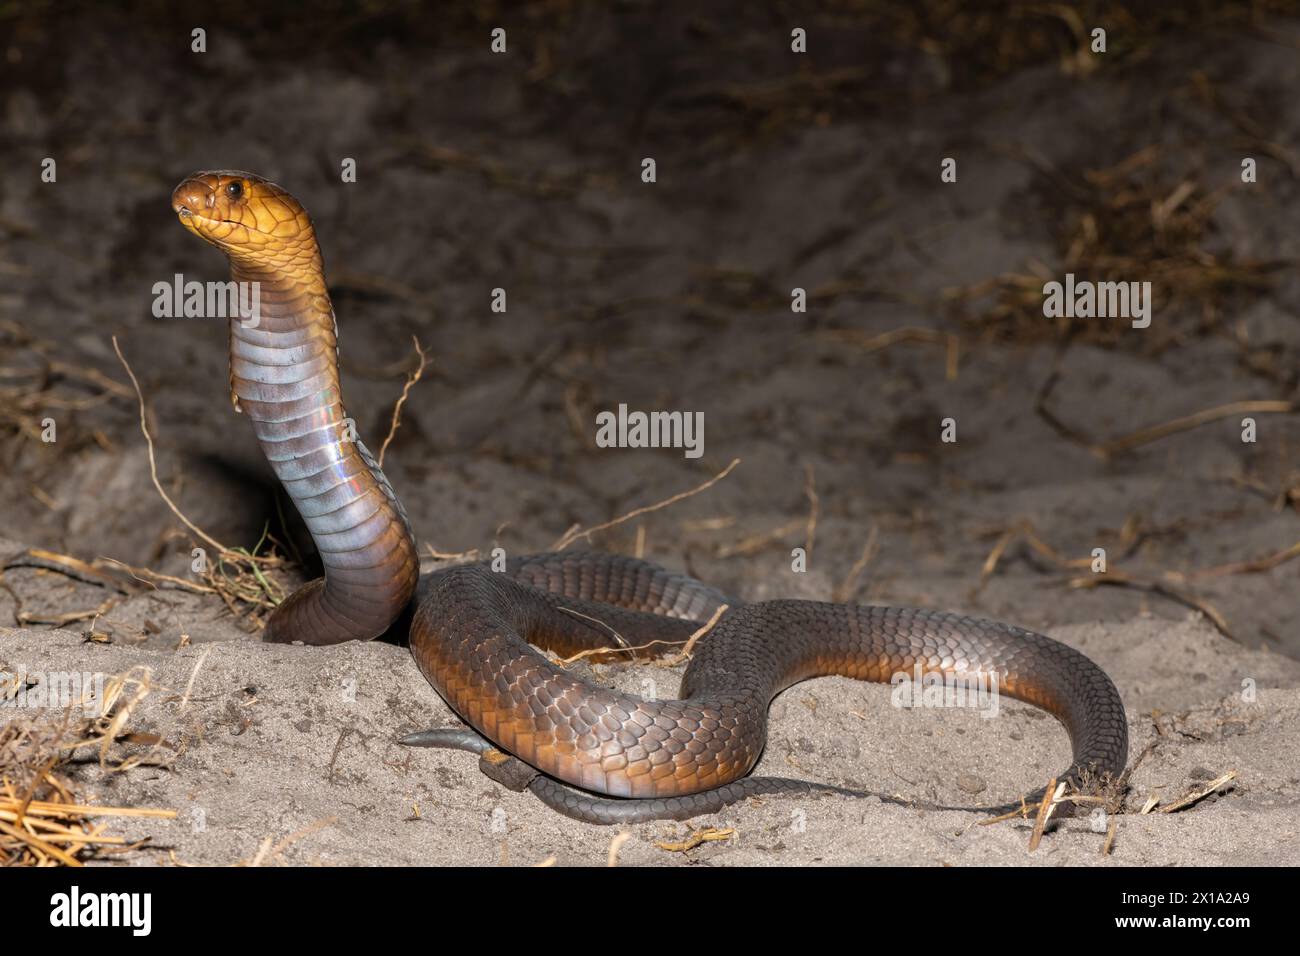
35, 383
1135, 221
651, 648
578, 533
945, 45
242, 578
42, 823
986, 41
1167, 584
696, 838
411, 379
910, 335
1195, 795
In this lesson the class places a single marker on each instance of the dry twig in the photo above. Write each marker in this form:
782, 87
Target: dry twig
411, 379
574, 534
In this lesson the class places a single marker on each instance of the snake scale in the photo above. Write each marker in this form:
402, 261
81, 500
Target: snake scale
592, 753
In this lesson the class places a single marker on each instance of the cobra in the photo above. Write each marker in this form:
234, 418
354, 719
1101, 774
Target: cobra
478, 635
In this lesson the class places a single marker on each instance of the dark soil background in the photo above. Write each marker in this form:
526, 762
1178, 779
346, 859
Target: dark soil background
775, 171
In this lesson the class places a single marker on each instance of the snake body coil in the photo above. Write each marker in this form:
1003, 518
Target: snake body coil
473, 630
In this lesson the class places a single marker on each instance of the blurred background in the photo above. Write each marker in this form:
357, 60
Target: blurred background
775, 171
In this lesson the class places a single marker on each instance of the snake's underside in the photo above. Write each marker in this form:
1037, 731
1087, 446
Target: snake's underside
475, 631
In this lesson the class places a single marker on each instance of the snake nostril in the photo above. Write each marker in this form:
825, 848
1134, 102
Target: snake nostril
191, 197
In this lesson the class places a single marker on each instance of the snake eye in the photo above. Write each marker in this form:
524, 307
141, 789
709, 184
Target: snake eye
234, 190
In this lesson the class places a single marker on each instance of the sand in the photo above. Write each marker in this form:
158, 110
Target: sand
288, 755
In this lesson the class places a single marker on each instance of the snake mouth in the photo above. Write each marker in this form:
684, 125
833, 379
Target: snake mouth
193, 220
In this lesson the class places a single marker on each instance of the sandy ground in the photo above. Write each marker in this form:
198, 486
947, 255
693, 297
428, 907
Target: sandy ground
289, 752
669, 297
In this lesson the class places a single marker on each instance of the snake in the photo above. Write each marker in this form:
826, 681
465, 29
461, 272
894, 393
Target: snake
491, 637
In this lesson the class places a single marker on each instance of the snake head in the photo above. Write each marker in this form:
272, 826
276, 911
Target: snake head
251, 219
